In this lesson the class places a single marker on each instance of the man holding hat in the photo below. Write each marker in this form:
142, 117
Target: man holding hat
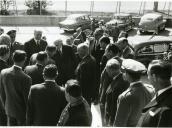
135, 98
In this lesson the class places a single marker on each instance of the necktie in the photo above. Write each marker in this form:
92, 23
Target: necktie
37, 42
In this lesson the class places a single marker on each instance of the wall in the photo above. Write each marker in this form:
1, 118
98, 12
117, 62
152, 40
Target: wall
49, 20
30, 20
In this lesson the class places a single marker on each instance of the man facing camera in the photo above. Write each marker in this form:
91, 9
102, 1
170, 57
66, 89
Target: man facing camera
14, 90
77, 112
158, 113
46, 100
34, 45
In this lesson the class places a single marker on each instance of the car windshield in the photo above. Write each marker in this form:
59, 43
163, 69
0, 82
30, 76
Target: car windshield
146, 18
71, 18
120, 18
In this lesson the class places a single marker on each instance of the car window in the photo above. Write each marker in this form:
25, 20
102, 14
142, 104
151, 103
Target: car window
159, 48
146, 50
156, 48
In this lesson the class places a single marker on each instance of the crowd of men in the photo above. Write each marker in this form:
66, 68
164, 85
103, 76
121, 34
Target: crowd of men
49, 85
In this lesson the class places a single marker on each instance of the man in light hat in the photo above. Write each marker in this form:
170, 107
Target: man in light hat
135, 98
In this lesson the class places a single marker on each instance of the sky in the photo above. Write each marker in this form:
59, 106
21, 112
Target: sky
101, 6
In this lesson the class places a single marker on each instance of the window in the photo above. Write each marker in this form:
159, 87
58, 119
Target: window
156, 48
146, 50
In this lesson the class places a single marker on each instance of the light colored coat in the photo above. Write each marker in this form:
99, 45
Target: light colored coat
131, 102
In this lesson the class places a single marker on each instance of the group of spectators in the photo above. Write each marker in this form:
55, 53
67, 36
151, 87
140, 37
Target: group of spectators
48, 85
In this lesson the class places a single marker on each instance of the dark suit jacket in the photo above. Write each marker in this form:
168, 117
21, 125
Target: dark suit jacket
66, 64
76, 115
86, 75
35, 72
117, 86
158, 113
31, 47
45, 104
33, 60
3, 119
14, 89
14, 46
3, 65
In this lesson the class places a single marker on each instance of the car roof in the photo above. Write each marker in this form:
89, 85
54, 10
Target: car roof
151, 15
122, 14
154, 40
77, 15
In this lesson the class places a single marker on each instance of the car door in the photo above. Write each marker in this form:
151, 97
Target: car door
148, 52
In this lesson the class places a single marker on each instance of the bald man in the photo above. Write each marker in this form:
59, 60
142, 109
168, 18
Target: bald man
86, 72
34, 45
115, 88
65, 62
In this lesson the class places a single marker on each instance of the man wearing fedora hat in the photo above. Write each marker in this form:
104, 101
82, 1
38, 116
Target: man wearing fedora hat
135, 98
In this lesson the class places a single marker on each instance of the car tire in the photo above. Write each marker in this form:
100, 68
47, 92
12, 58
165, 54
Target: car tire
141, 32
163, 28
157, 31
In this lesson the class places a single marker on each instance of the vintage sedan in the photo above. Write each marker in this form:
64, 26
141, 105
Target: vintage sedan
156, 47
73, 21
124, 21
151, 22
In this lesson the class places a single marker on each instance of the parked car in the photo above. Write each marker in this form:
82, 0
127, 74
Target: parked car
73, 21
152, 22
124, 21
154, 48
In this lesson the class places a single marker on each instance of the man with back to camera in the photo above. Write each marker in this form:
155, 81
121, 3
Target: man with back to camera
50, 50
35, 71
46, 100
34, 45
77, 112
158, 113
14, 89
4, 55
135, 98
5, 40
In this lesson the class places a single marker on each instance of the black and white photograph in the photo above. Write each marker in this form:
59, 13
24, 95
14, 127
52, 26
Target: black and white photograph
86, 63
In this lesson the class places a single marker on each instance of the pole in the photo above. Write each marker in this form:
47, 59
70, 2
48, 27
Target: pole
66, 8
40, 5
140, 8
169, 6
155, 8
119, 6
